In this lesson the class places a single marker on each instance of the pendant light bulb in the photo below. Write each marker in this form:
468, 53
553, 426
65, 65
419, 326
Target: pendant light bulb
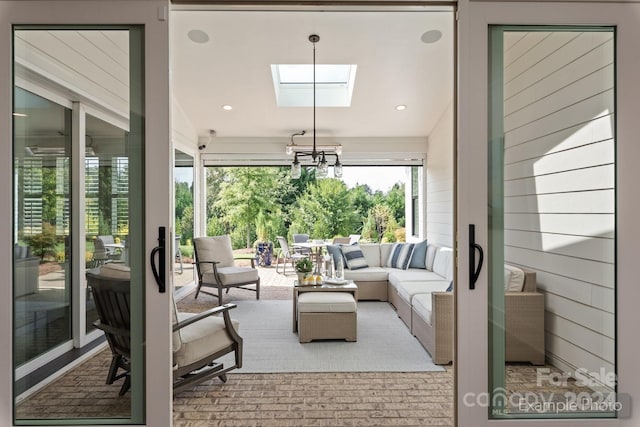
296, 169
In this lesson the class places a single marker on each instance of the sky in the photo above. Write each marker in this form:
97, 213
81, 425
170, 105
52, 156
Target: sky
376, 177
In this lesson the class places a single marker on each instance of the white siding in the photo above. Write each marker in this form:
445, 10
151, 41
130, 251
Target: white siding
93, 66
439, 186
559, 185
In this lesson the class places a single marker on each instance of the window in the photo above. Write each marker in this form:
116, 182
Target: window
293, 84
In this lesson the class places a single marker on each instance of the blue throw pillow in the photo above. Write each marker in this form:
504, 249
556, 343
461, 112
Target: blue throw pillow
336, 253
400, 255
354, 257
419, 255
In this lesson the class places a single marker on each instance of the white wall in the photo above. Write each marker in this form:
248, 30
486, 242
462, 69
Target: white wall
439, 181
559, 185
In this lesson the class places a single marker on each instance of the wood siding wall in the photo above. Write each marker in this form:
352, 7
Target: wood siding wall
439, 182
92, 65
559, 185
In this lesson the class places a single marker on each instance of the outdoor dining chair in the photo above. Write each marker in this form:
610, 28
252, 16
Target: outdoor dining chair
301, 238
286, 255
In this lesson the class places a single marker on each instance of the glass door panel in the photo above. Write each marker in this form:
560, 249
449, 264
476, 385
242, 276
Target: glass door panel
547, 173
183, 175
106, 198
64, 226
552, 222
42, 316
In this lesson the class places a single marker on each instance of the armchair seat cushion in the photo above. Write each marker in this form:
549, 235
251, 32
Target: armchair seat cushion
200, 339
232, 275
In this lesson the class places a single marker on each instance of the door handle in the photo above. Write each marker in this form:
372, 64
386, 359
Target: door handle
160, 273
474, 272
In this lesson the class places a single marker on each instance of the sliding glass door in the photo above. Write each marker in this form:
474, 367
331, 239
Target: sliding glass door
76, 147
545, 215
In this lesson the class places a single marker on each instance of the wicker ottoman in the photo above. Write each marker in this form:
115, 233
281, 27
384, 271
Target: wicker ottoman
327, 315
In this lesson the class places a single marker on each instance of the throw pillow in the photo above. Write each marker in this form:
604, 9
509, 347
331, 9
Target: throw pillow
450, 288
400, 255
336, 253
354, 257
419, 255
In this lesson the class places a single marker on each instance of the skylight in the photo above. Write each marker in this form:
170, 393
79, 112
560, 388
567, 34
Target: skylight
293, 84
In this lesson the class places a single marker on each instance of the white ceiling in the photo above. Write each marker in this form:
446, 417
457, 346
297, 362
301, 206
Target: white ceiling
233, 67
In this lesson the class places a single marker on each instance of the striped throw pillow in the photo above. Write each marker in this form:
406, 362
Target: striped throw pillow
354, 257
400, 255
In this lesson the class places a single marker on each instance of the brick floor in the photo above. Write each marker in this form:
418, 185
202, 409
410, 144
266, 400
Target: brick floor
320, 399
283, 400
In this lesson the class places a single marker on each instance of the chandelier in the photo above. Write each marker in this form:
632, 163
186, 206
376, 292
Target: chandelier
317, 154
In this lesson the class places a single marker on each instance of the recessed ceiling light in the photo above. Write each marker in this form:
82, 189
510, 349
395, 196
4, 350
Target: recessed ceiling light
227, 107
401, 107
431, 36
198, 36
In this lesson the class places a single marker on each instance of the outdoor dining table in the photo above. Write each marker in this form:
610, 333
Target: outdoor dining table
315, 246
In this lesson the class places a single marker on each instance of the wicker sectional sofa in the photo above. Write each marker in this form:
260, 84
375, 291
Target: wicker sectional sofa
425, 303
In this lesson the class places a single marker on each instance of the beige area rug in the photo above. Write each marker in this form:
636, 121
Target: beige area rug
206, 301
384, 342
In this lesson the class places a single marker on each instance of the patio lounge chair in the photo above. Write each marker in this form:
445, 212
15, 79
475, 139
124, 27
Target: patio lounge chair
198, 339
216, 267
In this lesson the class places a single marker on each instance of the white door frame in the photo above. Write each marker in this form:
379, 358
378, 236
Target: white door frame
153, 14
472, 127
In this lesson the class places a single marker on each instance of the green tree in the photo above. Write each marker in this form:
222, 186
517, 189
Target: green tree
362, 201
244, 194
290, 193
382, 216
43, 244
215, 177
395, 200
325, 210
184, 228
184, 210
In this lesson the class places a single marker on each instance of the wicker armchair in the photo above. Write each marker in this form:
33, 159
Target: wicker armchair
524, 320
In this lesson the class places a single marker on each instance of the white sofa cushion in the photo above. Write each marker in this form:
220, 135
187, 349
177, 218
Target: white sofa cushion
371, 252
326, 302
442, 264
412, 275
423, 306
407, 290
513, 278
431, 255
369, 274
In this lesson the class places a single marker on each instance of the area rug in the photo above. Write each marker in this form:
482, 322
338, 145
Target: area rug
384, 342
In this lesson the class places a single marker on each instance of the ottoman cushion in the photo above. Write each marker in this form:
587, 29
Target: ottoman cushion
326, 302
